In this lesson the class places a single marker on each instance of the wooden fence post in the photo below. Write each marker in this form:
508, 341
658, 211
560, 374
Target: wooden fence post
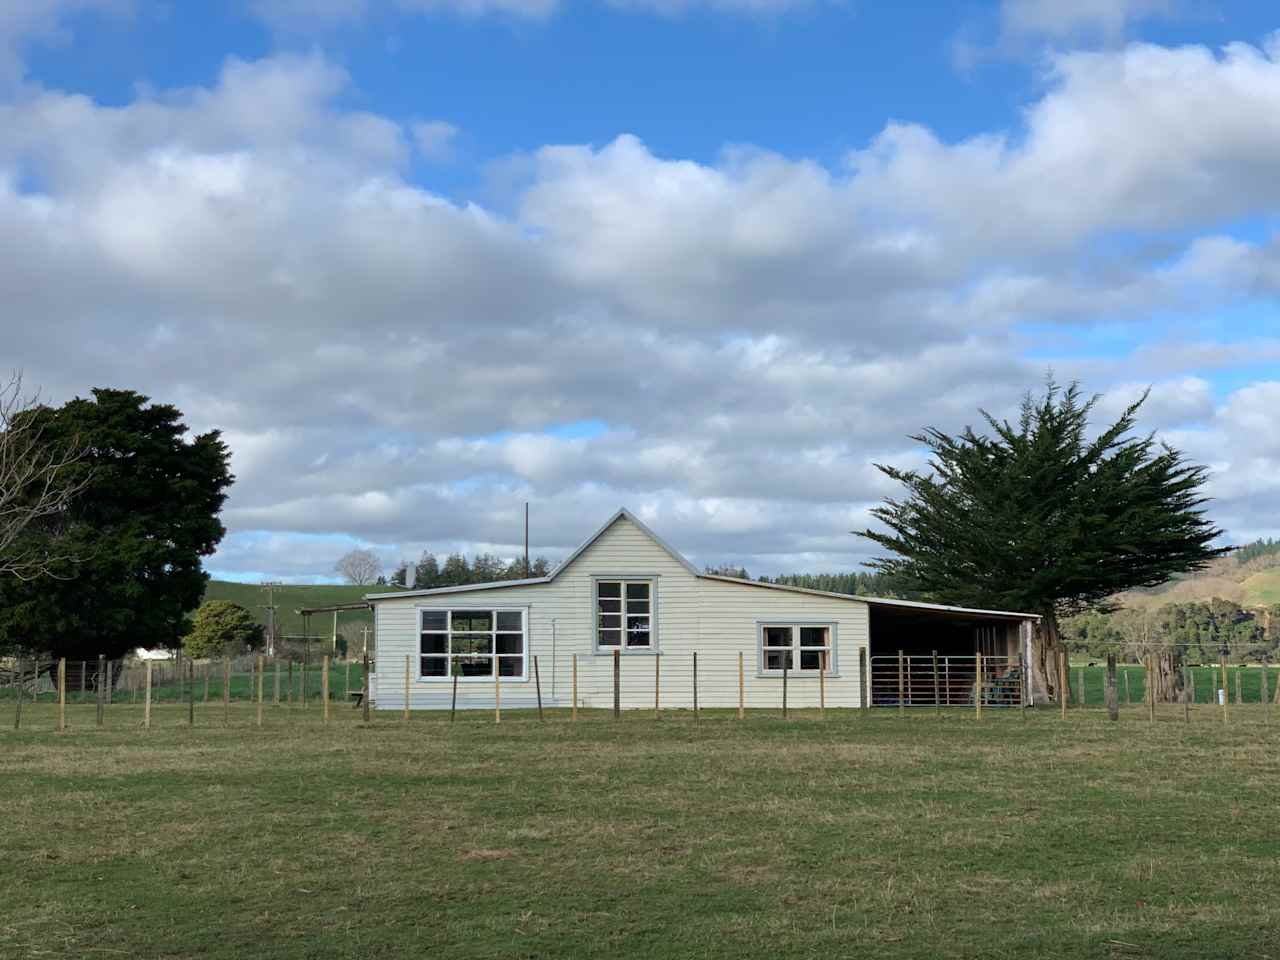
62, 693
191, 693
937, 690
742, 685
1128, 697
1063, 691
902, 686
324, 692
617, 683
84, 668
288, 695
453, 699
1225, 695
205, 671
1188, 692
864, 681
822, 685
408, 658
497, 691
1266, 700
695, 685
537, 686
17, 713
146, 703
1113, 702
657, 672
368, 689
573, 712
1239, 698
275, 682
1080, 699
786, 665
346, 683
226, 689
1151, 688
101, 684
261, 669
978, 685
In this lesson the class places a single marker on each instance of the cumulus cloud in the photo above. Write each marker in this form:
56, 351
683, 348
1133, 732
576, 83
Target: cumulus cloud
393, 366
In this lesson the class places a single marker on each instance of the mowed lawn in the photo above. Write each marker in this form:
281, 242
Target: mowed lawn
858, 835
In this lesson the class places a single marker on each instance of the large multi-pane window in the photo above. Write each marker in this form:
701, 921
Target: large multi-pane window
795, 647
468, 643
624, 614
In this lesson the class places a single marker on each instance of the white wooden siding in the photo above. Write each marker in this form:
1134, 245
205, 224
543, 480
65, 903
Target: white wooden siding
714, 618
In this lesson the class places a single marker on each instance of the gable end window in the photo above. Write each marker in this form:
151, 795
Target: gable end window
624, 614
472, 643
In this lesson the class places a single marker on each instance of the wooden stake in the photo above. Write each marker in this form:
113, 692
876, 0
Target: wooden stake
822, 685
537, 686
191, 693
17, 714
1151, 689
102, 674
1063, 692
864, 681
1128, 697
1187, 693
1266, 700
1113, 701
1022, 686
62, 693
261, 669
786, 664
573, 715
84, 668
657, 680
937, 691
226, 689
368, 689
1226, 692
742, 686
275, 682
1080, 701
407, 663
346, 683
695, 685
289, 692
1239, 698
617, 684
324, 692
453, 700
497, 692
977, 687
902, 687
146, 703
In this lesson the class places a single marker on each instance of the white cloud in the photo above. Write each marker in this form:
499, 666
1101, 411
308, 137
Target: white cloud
25, 21
754, 331
1074, 19
435, 139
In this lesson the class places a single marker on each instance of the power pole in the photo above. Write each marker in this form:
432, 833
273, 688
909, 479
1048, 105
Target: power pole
365, 632
270, 607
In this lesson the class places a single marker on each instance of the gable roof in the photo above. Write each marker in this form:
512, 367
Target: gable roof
625, 514
622, 514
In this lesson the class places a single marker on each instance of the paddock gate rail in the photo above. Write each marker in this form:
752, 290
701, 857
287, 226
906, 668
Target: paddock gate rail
932, 680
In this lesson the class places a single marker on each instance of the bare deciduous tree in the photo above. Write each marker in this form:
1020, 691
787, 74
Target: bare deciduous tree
359, 566
37, 485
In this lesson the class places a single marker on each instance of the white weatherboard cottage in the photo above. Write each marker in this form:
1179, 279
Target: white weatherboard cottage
625, 591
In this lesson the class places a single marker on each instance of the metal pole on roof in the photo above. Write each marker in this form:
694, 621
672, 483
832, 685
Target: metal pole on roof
526, 539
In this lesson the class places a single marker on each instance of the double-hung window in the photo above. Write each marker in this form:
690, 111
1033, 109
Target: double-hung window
472, 643
624, 614
795, 647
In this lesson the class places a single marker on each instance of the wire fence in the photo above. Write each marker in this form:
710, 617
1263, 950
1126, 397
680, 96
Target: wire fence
566, 685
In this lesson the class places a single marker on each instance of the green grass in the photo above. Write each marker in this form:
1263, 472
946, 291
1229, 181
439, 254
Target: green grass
1207, 680
1263, 588
860, 835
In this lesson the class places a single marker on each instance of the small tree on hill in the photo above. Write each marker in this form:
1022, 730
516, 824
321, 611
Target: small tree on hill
222, 628
360, 567
1039, 517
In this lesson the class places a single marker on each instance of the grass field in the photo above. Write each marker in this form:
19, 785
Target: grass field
290, 598
864, 834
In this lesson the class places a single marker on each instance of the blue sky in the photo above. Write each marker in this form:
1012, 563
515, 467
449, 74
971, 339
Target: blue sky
423, 261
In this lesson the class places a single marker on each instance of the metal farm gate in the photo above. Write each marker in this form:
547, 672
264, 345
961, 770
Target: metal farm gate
946, 681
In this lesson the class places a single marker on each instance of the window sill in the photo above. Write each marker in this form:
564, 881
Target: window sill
488, 681
632, 652
792, 675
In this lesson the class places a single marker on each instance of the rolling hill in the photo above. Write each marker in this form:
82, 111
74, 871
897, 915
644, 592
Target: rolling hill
289, 598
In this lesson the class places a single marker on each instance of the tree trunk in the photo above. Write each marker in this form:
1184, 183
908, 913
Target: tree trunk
1043, 670
1167, 676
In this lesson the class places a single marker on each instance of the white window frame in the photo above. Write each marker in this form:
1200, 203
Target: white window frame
624, 578
795, 626
493, 610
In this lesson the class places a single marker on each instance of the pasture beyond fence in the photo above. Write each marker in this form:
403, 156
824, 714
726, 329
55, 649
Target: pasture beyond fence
172, 690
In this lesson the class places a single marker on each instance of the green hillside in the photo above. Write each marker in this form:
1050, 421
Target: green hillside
1263, 588
289, 598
